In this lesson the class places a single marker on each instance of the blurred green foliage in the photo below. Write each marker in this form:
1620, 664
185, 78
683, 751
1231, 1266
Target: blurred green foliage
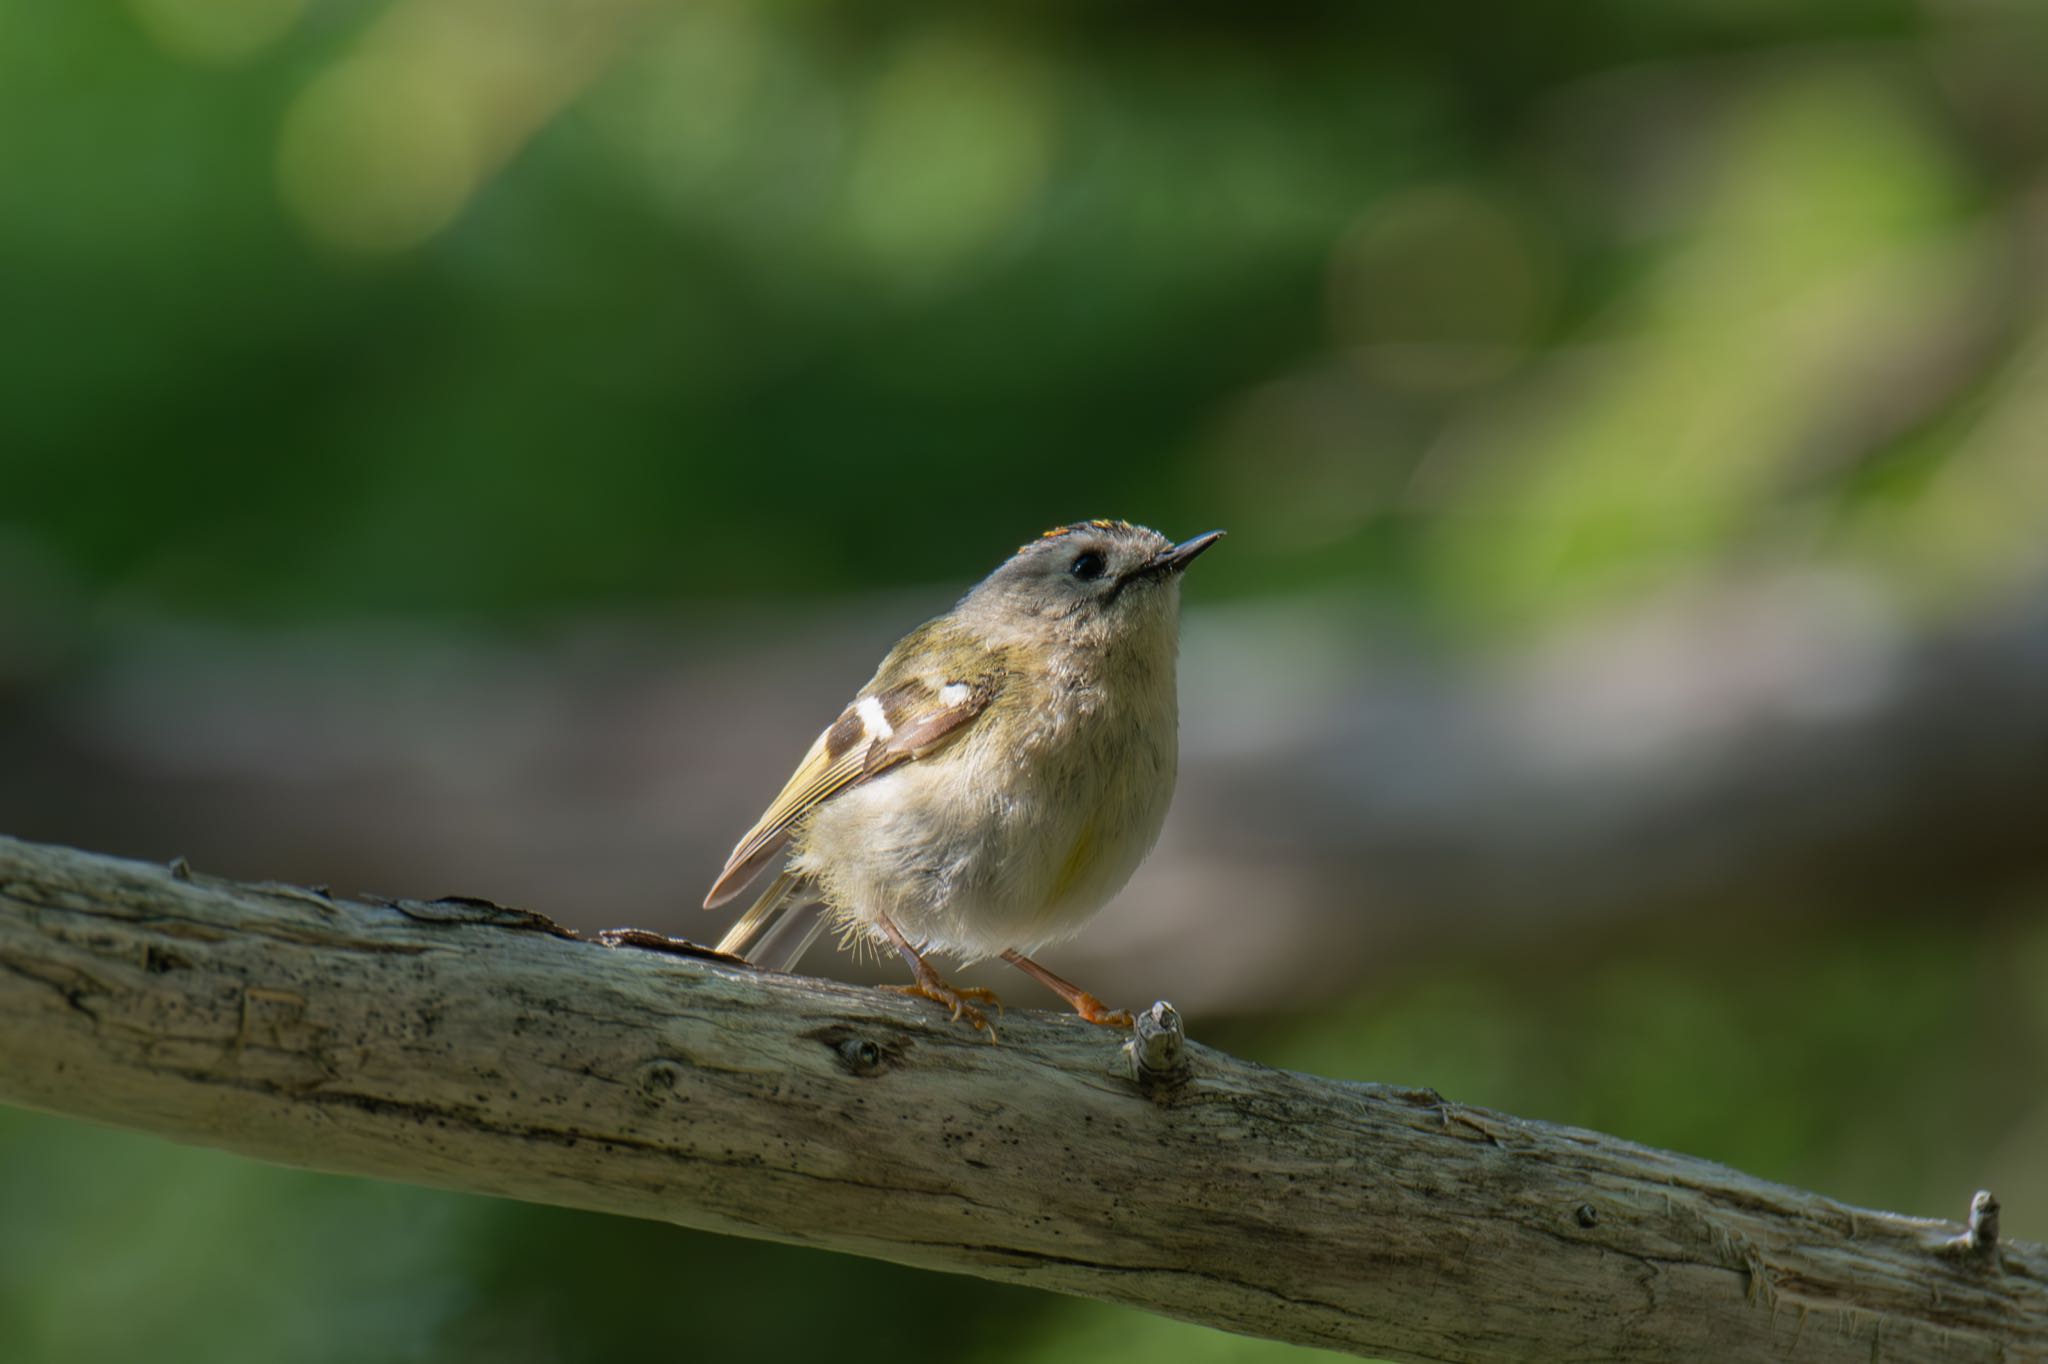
451, 308
440, 306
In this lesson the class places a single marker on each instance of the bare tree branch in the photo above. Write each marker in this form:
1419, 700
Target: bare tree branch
463, 1045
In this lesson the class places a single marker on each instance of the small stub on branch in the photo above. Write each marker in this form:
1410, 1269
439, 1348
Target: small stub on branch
456, 910
656, 942
1982, 1237
1158, 1048
285, 890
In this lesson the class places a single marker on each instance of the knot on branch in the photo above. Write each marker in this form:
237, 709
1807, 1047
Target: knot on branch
858, 1053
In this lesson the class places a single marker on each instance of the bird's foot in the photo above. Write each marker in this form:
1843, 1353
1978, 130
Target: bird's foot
930, 986
1095, 1011
960, 999
1088, 1006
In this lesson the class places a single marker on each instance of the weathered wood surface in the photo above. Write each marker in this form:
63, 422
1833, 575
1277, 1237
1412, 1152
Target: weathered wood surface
458, 1044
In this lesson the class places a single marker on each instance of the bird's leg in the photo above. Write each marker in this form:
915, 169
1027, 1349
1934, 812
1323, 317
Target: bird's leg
1085, 1004
930, 986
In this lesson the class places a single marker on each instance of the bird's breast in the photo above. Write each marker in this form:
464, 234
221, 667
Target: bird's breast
1013, 837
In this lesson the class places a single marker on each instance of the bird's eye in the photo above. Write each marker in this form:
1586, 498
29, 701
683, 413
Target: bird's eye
1087, 566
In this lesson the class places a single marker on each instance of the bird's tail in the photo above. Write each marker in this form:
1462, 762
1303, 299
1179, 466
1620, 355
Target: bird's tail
775, 919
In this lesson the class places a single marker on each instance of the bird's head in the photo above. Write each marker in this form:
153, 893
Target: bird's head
1092, 582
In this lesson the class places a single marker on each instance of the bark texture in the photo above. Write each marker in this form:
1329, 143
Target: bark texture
464, 1045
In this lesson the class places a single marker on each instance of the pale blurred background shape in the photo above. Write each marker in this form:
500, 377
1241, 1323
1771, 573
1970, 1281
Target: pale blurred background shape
452, 446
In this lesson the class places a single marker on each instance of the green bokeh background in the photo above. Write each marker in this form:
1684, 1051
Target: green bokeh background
483, 317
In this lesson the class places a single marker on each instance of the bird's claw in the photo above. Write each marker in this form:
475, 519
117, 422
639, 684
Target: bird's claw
960, 999
1095, 1011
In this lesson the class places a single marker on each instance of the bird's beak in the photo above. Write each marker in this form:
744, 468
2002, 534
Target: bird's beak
1168, 561
1181, 555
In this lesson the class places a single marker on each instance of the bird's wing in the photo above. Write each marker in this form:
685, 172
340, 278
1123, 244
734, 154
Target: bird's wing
906, 712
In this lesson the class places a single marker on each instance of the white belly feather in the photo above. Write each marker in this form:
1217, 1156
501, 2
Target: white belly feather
1011, 838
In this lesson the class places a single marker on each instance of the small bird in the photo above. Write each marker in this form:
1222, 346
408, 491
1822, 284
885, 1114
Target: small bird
999, 778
